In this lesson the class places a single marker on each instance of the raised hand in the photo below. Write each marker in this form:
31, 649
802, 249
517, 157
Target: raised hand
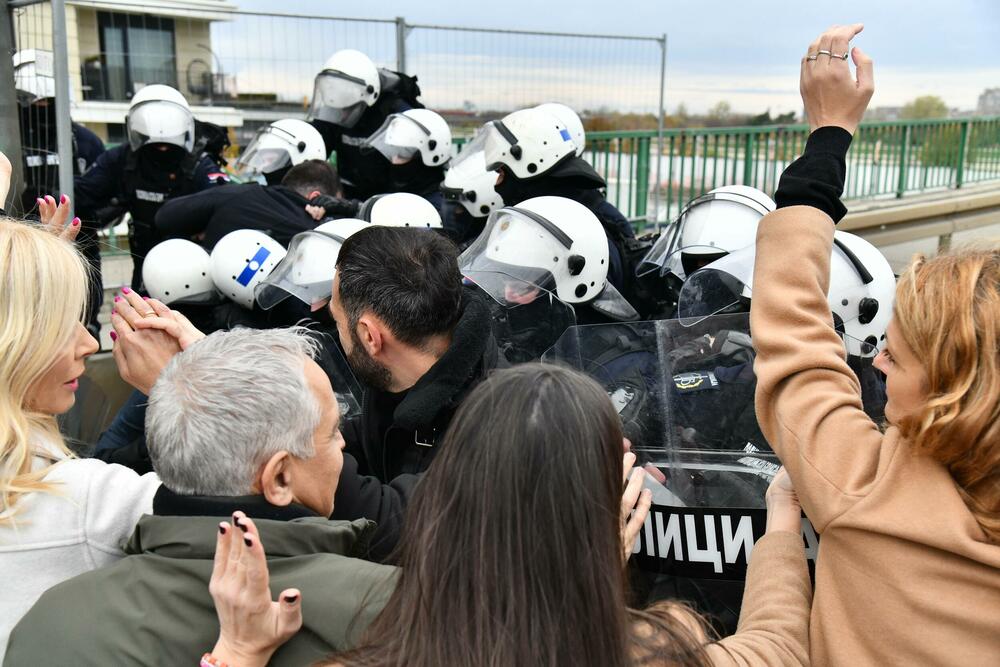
634, 498
830, 94
53, 216
251, 625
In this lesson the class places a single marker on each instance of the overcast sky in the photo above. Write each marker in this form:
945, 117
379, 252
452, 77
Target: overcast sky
745, 52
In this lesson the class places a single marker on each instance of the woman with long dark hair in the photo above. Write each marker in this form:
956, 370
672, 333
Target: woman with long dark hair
514, 548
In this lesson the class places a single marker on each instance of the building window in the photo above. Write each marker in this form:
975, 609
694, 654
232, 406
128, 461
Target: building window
136, 50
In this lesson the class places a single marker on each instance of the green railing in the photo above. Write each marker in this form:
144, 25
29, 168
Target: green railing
886, 160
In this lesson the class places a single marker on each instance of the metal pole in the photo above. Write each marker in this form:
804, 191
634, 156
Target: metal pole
64, 130
659, 133
401, 30
10, 128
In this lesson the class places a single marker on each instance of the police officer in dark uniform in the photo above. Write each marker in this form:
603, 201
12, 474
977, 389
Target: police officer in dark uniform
160, 161
36, 90
535, 155
351, 101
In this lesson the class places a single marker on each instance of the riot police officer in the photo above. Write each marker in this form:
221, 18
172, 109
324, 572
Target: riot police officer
352, 98
159, 162
36, 89
535, 154
469, 192
417, 144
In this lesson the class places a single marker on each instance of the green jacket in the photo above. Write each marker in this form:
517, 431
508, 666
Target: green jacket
153, 607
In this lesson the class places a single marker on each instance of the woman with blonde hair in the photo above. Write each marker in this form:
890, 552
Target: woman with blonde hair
59, 516
908, 570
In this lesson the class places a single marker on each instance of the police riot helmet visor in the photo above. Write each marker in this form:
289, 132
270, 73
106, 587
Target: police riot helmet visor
255, 161
306, 272
474, 150
518, 244
399, 139
509, 284
338, 98
160, 122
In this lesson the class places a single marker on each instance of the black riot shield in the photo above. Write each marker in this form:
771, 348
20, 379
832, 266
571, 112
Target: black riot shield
527, 320
685, 394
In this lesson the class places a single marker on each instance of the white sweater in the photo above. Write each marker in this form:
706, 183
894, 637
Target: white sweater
80, 527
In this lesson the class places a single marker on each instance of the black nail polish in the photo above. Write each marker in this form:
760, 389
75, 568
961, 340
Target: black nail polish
247, 541
291, 599
222, 530
242, 526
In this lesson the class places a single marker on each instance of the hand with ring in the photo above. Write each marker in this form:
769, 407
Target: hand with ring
830, 94
147, 335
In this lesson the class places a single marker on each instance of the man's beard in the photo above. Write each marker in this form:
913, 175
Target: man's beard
369, 371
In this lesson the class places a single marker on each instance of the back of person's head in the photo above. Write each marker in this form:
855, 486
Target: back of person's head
511, 552
313, 176
42, 301
406, 277
948, 311
226, 405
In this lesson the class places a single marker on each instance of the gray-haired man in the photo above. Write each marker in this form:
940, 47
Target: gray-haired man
242, 420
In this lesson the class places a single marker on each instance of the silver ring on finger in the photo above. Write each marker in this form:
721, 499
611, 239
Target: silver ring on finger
151, 313
843, 57
824, 52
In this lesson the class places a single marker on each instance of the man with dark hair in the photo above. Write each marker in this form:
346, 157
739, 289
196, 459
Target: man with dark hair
277, 210
419, 341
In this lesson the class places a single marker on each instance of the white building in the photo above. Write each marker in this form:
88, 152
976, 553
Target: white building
117, 47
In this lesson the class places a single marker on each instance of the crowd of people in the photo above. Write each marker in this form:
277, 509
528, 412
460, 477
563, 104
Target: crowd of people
347, 444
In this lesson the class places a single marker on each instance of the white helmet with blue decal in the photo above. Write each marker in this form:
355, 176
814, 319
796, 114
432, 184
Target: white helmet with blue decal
528, 142
241, 260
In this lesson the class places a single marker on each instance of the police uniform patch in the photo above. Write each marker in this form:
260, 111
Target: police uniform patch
693, 381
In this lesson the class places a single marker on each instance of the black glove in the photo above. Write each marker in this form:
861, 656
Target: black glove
336, 207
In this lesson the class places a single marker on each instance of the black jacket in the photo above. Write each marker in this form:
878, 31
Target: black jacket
277, 211
397, 435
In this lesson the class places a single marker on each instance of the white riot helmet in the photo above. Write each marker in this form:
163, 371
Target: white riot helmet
307, 271
400, 209
405, 134
861, 295
550, 243
528, 142
241, 260
572, 122
34, 74
348, 84
467, 180
178, 271
710, 226
280, 146
159, 114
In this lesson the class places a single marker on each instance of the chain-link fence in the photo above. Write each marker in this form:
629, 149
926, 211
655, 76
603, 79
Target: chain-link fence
243, 69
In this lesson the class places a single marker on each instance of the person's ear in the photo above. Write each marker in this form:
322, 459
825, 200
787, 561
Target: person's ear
370, 334
313, 194
275, 480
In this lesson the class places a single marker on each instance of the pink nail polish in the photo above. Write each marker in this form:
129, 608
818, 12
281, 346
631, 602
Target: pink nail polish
145, 298
62, 199
40, 201
126, 290
117, 299
114, 311
76, 222
114, 337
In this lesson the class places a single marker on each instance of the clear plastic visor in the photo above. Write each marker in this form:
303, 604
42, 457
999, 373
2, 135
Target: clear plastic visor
305, 273
517, 246
338, 99
399, 139
160, 122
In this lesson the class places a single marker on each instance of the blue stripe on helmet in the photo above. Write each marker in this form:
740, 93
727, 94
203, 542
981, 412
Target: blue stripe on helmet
248, 273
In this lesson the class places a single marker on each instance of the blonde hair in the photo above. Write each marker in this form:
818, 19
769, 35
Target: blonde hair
948, 311
42, 297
